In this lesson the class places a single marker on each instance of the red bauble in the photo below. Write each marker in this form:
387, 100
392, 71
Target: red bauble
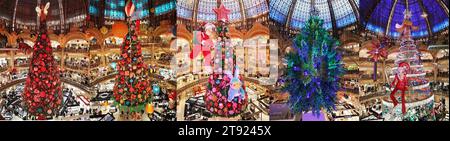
42, 94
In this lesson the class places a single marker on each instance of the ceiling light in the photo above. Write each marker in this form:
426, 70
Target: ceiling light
424, 15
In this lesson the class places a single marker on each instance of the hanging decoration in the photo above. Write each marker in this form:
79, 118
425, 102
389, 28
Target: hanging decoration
377, 51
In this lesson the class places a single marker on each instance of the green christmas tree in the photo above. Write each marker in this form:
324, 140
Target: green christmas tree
313, 70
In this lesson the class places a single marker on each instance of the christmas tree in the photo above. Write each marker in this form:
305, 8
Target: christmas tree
416, 97
132, 91
42, 95
226, 95
313, 70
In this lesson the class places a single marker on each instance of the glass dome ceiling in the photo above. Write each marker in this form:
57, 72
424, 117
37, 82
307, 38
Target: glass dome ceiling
73, 11
431, 16
114, 8
23, 11
339, 12
252, 8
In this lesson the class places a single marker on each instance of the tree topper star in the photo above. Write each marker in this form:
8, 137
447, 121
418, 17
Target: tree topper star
222, 13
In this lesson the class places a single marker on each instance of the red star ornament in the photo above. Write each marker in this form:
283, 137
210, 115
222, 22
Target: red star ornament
222, 13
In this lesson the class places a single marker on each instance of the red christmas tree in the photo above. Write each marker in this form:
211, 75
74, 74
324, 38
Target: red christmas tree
132, 90
42, 96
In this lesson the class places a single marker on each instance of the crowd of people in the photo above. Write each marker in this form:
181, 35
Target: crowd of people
81, 78
366, 90
95, 61
112, 57
12, 109
3, 64
21, 61
9, 76
147, 55
195, 109
77, 62
166, 57
10, 102
127, 116
371, 108
440, 87
420, 113
77, 48
113, 42
82, 62
441, 110
100, 72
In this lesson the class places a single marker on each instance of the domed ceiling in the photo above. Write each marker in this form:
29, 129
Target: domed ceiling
431, 16
203, 9
294, 13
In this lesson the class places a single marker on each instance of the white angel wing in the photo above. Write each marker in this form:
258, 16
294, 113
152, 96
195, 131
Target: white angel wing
398, 26
46, 8
38, 11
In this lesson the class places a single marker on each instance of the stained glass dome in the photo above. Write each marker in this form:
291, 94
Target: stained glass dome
24, 14
62, 13
204, 9
431, 16
114, 8
338, 13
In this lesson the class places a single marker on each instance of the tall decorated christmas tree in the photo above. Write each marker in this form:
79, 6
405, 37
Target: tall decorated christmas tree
225, 95
313, 69
411, 98
42, 96
132, 91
